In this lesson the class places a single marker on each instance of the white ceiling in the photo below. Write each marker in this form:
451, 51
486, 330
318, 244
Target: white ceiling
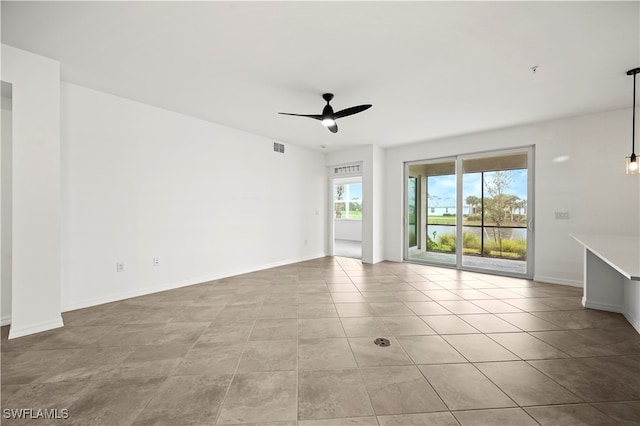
430, 69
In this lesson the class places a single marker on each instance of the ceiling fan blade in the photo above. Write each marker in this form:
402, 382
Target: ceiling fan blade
333, 128
352, 110
315, 116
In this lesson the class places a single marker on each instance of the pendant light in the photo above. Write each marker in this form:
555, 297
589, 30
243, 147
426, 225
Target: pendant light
633, 161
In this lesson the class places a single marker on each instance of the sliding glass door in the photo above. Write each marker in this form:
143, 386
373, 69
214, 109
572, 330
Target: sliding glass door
473, 212
435, 211
494, 230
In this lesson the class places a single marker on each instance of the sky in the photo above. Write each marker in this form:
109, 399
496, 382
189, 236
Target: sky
444, 187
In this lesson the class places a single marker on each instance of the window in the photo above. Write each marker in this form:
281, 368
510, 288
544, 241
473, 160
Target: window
347, 201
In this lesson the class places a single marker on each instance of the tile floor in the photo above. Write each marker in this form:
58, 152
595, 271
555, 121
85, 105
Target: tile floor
347, 248
294, 346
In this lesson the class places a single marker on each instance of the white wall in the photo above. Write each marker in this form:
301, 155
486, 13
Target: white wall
141, 182
35, 293
377, 195
6, 213
347, 230
371, 158
591, 185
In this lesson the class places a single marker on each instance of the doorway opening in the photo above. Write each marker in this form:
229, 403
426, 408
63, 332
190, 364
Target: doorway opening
472, 212
347, 216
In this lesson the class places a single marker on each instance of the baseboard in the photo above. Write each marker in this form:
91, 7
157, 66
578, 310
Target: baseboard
635, 322
5, 320
35, 328
602, 306
183, 283
554, 280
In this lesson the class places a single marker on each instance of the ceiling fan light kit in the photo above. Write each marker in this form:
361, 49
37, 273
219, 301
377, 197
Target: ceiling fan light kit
632, 162
328, 117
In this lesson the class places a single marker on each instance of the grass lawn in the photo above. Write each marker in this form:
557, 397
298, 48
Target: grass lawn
441, 220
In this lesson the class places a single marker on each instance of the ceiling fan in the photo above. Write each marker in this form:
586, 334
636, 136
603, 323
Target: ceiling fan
328, 117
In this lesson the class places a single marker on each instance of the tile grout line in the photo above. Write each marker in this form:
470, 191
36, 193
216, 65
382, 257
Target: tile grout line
233, 376
169, 374
359, 368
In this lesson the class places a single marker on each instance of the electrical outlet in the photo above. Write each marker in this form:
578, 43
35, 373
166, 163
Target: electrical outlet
119, 266
156, 261
562, 215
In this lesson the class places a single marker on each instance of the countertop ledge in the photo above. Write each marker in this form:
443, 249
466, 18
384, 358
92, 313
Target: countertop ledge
621, 252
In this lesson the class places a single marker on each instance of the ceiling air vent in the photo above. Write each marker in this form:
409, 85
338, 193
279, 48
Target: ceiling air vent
278, 147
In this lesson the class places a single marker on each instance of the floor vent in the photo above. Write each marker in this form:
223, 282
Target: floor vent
381, 341
278, 147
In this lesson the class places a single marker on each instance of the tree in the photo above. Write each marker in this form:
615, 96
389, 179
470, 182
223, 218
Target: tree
473, 202
521, 205
339, 206
512, 204
497, 205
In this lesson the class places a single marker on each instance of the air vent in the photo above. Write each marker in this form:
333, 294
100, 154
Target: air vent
278, 147
346, 169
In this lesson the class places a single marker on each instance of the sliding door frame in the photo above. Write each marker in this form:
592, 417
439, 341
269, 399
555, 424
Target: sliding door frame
407, 164
530, 150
